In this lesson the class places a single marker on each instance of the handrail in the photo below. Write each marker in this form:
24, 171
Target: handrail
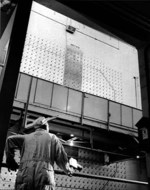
100, 177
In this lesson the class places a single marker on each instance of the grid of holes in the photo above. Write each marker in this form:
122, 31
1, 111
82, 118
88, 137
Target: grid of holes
46, 59
43, 58
63, 183
7, 179
90, 162
73, 67
100, 80
91, 165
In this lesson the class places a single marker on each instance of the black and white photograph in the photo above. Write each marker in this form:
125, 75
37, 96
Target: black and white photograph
74, 95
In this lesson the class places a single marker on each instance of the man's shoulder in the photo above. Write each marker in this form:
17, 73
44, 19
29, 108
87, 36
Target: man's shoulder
15, 136
52, 135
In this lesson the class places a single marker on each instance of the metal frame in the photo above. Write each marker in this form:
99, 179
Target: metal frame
9, 76
105, 178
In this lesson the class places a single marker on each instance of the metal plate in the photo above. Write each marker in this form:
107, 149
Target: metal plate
95, 107
43, 92
92, 165
73, 67
59, 99
23, 87
105, 64
74, 101
44, 51
115, 112
127, 119
137, 115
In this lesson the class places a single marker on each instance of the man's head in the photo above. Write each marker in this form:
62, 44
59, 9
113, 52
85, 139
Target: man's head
41, 122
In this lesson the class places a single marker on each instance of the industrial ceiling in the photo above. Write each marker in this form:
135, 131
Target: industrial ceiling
129, 20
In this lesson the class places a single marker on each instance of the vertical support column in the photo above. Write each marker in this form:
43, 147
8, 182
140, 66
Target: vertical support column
108, 117
27, 104
10, 72
147, 67
6, 36
148, 167
147, 73
144, 65
82, 107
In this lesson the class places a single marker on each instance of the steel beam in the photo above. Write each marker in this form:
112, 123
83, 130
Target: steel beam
9, 76
100, 177
105, 178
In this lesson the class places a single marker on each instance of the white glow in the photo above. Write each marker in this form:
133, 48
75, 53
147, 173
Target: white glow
71, 143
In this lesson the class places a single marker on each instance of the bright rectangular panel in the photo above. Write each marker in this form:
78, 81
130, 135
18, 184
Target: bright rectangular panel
95, 107
114, 110
127, 116
73, 68
23, 87
74, 101
43, 92
59, 99
137, 115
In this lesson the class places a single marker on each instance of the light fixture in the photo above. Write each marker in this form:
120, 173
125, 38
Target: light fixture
137, 157
70, 29
71, 143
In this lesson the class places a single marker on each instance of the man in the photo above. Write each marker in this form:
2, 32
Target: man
39, 150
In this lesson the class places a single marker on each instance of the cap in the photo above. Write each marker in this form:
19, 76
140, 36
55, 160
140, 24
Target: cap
39, 122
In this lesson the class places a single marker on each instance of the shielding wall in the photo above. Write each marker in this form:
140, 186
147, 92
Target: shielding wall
87, 60
92, 165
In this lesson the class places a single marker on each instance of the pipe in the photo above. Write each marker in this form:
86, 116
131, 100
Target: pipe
27, 104
82, 107
135, 81
100, 151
